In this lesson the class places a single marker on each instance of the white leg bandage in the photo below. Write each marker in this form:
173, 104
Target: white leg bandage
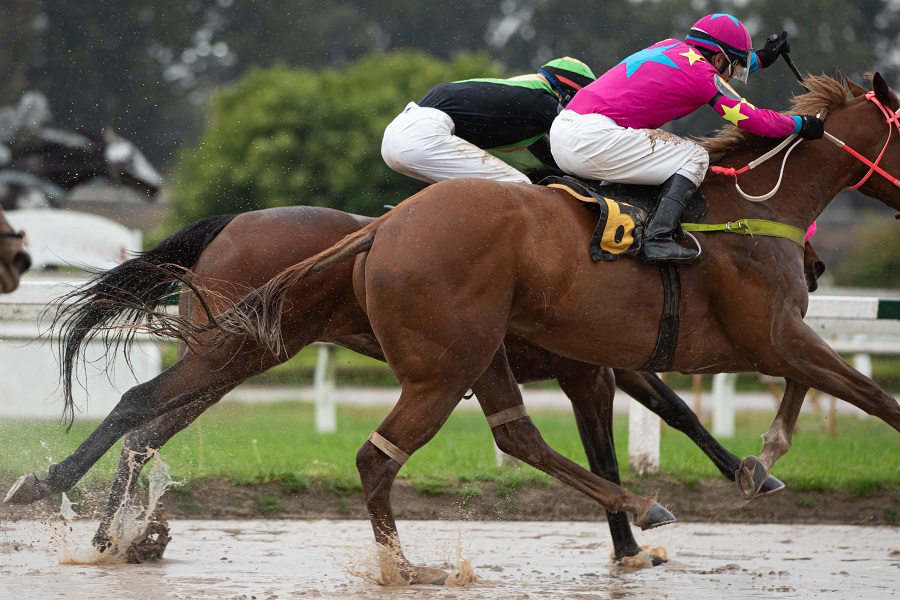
395, 453
505, 416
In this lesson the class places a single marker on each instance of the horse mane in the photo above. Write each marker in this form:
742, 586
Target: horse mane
824, 95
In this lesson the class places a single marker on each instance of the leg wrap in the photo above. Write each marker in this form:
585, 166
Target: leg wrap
505, 416
395, 453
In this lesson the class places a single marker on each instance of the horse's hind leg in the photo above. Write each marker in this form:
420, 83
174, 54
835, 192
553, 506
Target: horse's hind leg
139, 447
649, 390
179, 385
418, 415
516, 435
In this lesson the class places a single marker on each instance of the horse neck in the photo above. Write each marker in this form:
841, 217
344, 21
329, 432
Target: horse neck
814, 174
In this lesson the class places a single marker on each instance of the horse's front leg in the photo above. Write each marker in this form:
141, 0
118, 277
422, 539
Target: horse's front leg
591, 389
753, 471
649, 390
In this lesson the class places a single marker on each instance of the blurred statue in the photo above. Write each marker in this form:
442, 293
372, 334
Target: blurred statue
35, 155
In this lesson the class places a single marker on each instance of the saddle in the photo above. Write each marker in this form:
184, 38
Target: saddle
623, 211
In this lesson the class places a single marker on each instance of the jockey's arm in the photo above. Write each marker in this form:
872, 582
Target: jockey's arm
743, 115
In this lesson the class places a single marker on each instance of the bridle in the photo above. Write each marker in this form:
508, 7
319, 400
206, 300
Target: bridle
891, 118
19, 235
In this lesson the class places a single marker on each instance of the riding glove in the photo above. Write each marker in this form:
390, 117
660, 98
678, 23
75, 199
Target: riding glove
775, 45
811, 128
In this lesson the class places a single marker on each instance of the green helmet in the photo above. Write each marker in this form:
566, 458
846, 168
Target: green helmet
567, 75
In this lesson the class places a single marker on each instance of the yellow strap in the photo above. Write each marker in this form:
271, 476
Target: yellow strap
573, 193
752, 227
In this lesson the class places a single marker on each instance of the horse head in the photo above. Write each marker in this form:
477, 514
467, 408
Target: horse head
126, 164
876, 185
13, 259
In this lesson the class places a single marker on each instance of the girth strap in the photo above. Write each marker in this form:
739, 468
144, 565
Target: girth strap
380, 442
752, 227
669, 322
505, 416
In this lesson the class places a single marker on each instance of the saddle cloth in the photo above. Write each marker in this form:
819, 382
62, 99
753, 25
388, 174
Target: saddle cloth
623, 211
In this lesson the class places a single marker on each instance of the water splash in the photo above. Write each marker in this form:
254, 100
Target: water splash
131, 522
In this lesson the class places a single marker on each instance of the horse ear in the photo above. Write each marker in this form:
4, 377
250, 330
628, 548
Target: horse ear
855, 89
883, 92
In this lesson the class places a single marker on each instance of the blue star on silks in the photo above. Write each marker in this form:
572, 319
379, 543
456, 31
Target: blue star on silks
636, 60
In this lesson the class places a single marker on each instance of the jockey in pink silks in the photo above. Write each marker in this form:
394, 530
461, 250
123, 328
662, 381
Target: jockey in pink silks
609, 130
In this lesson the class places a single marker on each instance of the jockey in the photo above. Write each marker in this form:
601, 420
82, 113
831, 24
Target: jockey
610, 130
444, 135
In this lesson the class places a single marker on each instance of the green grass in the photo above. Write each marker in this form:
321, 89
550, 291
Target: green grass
277, 443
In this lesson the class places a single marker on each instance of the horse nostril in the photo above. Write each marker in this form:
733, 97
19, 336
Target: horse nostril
22, 261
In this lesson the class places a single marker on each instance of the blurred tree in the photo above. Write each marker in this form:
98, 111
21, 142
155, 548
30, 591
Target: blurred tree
875, 262
21, 24
149, 68
284, 136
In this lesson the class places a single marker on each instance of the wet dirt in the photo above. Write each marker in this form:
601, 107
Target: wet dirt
509, 560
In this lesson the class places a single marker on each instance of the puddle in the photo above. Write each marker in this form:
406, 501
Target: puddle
508, 560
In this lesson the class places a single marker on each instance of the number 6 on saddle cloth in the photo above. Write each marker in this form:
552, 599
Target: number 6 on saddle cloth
623, 210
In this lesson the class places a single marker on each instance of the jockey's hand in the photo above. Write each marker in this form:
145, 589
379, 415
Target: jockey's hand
812, 128
775, 45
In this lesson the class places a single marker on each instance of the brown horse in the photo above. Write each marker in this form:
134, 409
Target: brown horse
449, 271
13, 259
233, 254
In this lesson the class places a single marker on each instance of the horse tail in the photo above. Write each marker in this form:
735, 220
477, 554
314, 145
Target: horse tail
258, 315
118, 301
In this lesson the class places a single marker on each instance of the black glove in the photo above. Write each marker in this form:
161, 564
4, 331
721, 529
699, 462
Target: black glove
775, 45
812, 128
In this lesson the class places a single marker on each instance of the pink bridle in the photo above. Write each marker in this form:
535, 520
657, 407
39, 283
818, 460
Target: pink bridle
891, 117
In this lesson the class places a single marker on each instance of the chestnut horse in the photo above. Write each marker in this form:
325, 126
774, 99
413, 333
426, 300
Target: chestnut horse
448, 272
234, 253
13, 259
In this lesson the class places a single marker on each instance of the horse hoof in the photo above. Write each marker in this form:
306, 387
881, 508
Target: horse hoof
656, 516
771, 485
427, 575
27, 489
750, 477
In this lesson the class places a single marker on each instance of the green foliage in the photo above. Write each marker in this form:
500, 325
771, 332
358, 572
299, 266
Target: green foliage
875, 262
284, 136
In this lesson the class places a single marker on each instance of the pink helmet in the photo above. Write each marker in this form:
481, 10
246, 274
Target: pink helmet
722, 32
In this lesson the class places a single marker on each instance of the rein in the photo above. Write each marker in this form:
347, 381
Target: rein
773, 228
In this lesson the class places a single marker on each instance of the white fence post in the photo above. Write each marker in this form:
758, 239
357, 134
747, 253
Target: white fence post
643, 439
723, 407
324, 384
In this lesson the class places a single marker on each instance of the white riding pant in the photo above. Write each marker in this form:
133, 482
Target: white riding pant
420, 143
592, 146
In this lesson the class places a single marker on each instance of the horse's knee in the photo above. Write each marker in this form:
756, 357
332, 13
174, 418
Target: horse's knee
520, 440
374, 465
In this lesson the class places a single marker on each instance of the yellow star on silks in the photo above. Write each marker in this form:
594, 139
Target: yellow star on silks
691, 56
734, 114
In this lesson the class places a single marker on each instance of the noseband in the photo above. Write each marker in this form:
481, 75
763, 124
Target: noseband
12, 234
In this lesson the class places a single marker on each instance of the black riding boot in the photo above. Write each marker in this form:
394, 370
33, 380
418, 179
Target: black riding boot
659, 241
